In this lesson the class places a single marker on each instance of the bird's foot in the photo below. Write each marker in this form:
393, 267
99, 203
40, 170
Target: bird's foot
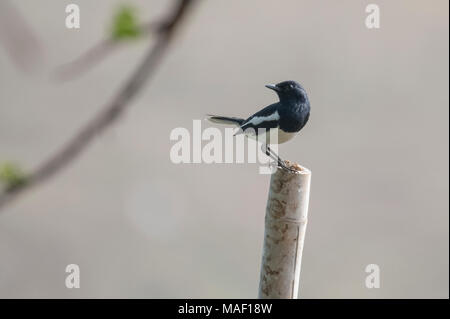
283, 165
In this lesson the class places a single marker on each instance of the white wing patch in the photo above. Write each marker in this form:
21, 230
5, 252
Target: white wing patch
260, 119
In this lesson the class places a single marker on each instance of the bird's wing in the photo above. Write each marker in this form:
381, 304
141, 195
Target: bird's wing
266, 119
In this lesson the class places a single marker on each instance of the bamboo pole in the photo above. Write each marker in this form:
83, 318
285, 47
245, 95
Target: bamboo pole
284, 235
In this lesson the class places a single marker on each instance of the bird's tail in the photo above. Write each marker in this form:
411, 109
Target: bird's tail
225, 120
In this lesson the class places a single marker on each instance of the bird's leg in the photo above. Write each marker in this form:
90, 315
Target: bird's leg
280, 161
275, 157
267, 151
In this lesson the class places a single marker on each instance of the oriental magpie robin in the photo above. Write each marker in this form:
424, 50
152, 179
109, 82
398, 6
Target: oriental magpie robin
288, 117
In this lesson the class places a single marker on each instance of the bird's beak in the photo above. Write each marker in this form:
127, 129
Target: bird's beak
273, 87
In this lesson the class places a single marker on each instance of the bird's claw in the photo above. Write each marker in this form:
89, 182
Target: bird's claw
284, 166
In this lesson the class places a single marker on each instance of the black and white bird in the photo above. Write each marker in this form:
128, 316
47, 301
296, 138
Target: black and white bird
288, 117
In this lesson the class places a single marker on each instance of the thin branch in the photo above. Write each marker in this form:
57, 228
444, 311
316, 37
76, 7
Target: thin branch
93, 55
85, 61
110, 113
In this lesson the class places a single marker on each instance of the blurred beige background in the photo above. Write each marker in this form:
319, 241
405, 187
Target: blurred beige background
140, 226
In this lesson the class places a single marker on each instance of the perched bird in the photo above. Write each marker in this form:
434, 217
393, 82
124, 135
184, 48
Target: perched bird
288, 117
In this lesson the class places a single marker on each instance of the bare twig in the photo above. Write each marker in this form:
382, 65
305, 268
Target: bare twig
98, 52
85, 61
110, 113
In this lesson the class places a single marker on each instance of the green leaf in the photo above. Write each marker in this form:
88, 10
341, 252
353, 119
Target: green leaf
11, 175
125, 24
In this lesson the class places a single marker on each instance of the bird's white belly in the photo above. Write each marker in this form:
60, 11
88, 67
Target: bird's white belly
285, 136
279, 138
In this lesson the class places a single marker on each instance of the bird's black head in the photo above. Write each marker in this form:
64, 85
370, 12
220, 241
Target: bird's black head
289, 91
